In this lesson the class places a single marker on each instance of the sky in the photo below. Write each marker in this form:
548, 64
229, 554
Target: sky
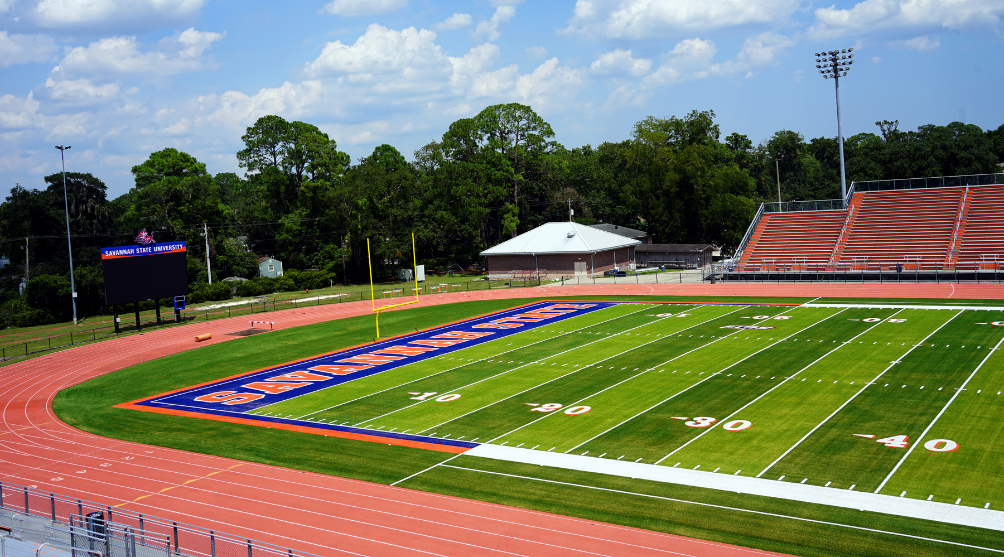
120, 79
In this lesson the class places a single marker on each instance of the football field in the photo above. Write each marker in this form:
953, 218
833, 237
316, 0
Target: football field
902, 401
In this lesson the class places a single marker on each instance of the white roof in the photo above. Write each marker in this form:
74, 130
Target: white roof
561, 237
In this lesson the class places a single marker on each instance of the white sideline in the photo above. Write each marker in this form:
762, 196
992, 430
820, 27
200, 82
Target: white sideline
864, 501
865, 305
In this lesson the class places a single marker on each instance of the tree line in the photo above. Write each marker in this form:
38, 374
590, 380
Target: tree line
488, 178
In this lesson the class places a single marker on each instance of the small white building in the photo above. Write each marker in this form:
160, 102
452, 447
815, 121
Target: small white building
564, 249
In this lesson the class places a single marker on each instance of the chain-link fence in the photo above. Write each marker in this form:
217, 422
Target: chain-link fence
122, 533
261, 304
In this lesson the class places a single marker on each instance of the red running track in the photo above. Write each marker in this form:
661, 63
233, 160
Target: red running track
313, 512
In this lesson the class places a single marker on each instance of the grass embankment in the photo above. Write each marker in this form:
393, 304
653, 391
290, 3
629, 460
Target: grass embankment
760, 522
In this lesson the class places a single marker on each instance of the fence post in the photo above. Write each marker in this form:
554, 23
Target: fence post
26, 501
142, 531
80, 508
176, 549
249, 549
1, 495
212, 544
52, 506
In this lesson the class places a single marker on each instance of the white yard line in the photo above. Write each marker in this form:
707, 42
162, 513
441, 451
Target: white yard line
674, 395
582, 368
723, 507
768, 391
899, 306
469, 363
520, 367
855, 395
806, 493
936, 418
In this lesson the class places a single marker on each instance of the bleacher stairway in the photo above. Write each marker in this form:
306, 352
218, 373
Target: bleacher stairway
937, 229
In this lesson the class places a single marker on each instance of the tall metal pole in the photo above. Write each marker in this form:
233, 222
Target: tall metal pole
69, 244
840, 145
834, 65
209, 270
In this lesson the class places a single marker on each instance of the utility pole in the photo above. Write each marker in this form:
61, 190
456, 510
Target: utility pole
777, 168
209, 270
835, 64
571, 212
69, 244
341, 246
27, 267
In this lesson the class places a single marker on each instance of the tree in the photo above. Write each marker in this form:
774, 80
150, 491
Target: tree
280, 156
87, 200
173, 191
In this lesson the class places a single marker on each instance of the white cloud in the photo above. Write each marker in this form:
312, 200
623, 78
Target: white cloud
21, 49
476, 61
637, 19
537, 51
874, 15
409, 53
550, 85
763, 49
689, 59
75, 13
123, 56
17, 113
80, 90
351, 8
620, 62
5, 5
455, 21
695, 59
922, 43
489, 28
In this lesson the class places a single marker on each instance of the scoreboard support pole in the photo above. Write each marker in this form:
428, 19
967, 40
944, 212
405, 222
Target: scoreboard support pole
156, 304
115, 317
135, 306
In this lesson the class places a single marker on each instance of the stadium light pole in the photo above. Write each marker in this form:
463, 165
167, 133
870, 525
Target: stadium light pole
834, 65
69, 244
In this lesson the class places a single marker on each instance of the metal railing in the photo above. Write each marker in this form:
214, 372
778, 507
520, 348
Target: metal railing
932, 182
128, 529
795, 206
749, 234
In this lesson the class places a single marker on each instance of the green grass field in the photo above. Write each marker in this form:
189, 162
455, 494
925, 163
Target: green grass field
790, 403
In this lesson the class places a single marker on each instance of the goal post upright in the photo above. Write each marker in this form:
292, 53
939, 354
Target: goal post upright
369, 261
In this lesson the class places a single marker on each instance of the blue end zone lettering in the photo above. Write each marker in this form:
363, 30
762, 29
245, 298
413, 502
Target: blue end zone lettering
288, 381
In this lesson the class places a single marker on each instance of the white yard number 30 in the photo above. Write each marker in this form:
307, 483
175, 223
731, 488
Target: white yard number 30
700, 421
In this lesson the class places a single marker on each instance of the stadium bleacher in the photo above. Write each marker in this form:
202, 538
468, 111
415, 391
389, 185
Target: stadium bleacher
930, 229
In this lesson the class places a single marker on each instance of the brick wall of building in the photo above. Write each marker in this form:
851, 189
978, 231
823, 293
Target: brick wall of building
560, 264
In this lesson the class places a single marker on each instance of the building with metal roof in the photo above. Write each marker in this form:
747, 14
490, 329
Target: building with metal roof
686, 256
560, 249
640, 235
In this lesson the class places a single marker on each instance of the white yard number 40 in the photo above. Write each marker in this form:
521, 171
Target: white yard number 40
896, 441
